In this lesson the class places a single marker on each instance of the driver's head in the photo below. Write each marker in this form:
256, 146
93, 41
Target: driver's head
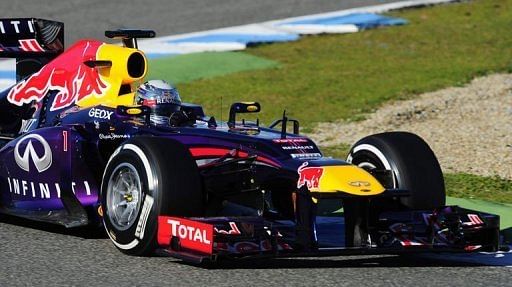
161, 97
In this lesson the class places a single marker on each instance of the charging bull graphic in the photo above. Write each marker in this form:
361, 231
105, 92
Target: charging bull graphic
67, 74
309, 176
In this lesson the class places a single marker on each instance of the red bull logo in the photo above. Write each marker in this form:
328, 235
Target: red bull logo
67, 74
309, 176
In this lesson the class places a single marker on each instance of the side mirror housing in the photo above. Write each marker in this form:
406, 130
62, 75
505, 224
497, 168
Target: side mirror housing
242, 108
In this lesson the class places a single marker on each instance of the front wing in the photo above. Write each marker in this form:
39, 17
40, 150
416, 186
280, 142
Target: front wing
447, 229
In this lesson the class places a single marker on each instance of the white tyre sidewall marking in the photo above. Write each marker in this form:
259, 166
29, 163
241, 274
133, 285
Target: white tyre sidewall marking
145, 162
144, 214
151, 186
377, 153
128, 246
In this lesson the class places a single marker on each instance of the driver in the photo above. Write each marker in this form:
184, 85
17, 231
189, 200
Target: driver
164, 101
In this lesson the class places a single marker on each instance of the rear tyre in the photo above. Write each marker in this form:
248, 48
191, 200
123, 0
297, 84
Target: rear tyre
144, 178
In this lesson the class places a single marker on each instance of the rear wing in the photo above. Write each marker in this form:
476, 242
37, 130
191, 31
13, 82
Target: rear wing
33, 42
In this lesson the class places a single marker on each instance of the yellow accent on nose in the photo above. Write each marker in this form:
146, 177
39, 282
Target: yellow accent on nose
349, 179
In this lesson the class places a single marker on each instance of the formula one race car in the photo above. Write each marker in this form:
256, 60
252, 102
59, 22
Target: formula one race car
77, 150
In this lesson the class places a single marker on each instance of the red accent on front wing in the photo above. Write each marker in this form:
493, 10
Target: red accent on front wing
193, 235
198, 152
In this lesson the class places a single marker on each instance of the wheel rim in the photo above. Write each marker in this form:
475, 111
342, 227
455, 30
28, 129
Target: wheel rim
124, 196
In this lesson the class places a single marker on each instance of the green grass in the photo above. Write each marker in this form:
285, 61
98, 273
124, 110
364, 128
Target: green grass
470, 186
190, 67
331, 77
339, 151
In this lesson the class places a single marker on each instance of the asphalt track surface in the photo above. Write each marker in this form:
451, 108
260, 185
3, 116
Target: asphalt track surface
44, 255
90, 18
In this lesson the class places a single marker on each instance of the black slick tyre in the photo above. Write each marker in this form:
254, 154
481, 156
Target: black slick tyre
413, 163
144, 178
414, 167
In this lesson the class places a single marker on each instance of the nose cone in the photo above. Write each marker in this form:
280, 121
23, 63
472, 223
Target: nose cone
347, 179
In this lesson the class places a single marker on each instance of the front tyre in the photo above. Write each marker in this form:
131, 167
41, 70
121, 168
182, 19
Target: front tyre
144, 178
413, 167
413, 164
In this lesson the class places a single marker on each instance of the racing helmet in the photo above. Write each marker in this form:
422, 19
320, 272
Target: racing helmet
161, 97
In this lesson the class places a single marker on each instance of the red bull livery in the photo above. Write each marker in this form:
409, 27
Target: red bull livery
76, 149
67, 74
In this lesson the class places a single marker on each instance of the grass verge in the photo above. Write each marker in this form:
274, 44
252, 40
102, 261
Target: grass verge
190, 67
471, 186
331, 77
338, 151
